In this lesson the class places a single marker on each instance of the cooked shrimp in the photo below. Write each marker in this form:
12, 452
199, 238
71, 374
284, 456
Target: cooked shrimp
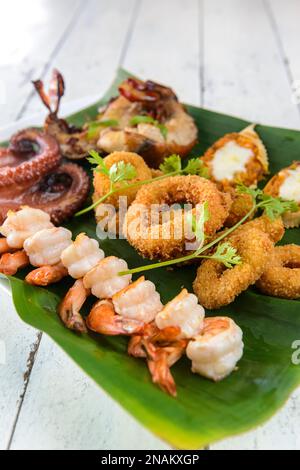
162, 349
46, 246
240, 156
104, 280
4, 246
184, 312
104, 320
217, 349
138, 301
22, 224
81, 256
46, 275
69, 308
10, 263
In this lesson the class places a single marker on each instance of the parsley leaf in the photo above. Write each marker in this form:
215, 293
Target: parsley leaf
121, 171
93, 126
226, 254
197, 222
195, 166
171, 164
96, 159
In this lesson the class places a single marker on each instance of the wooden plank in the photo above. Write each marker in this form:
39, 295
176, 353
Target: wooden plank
90, 56
244, 73
165, 46
246, 76
70, 412
37, 33
26, 51
64, 410
284, 17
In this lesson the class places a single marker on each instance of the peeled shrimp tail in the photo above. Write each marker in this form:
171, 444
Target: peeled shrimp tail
69, 308
10, 263
46, 275
4, 247
104, 320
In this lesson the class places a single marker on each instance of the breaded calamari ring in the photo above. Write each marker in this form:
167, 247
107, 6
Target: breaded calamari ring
216, 286
102, 185
165, 237
237, 157
286, 184
281, 278
242, 203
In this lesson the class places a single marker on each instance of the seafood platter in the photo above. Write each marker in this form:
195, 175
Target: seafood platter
158, 244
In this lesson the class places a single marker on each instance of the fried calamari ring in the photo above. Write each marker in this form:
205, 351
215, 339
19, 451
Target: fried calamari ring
286, 184
156, 230
281, 278
216, 286
237, 157
102, 184
242, 203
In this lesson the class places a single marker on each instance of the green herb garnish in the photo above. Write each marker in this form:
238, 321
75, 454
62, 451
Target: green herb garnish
135, 120
94, 126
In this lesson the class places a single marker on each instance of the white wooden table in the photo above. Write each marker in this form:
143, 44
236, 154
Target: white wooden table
231, 56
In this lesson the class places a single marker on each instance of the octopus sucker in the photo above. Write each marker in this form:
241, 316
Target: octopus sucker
286, 184
31, 155
237, 157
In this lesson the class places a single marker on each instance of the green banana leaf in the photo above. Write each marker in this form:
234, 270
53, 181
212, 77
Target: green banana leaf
203, 412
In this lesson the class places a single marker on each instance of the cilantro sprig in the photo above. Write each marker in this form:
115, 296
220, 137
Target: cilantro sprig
140, 119
125, 172
225, 253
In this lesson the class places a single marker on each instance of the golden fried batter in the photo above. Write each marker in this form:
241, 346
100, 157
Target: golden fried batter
160, 239
216, 286
281, 278
241, 169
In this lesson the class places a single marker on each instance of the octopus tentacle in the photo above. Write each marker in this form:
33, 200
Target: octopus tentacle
60, 193
30, 155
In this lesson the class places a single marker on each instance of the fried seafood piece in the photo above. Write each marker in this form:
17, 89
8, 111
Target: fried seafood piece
217, 349
241, 205
216, 286
22, 224
46, 246
158, 230
138, 301
81, 256
286, 184
104, 280
237, 157
281, 278
182, 312
151, 100
102, 183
